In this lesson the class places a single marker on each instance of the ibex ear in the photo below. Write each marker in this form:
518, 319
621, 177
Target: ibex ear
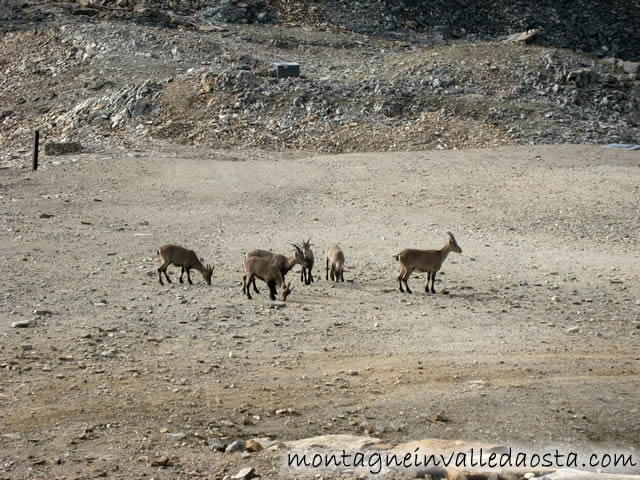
451, 235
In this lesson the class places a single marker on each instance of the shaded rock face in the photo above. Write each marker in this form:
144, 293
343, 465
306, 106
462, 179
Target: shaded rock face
229, 11
62, 148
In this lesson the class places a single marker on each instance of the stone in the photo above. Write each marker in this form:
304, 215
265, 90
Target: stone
583, 77
21, 324
253, 446
245, 473
62, 148
216, 444
524, 37
160, 462
334, 442
235, 446
631, 67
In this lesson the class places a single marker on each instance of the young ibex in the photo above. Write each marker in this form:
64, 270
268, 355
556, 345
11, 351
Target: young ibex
185, 259
305, 274
283, 263
428, 261
258, 267
335, 256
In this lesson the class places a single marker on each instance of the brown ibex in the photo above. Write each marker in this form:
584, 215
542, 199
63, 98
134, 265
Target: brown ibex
258, 267
306, 275
335, 257
283, 263
185, 259
428, 261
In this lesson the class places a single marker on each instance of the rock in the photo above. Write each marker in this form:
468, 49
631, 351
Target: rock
524, 37
570, 474
61, 148
21, 324
440, 417
573, 329
285, 411
253, 446
334, 442
229, 11
441, 32
216, 444
235, 446
160, 462
632, 68
583, 78
245, 473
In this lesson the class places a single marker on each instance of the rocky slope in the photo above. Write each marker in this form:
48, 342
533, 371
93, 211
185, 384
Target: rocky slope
380, 76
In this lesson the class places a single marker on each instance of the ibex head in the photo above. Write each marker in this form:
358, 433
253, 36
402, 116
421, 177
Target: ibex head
286, 291
208, 272
300, 256
453, 244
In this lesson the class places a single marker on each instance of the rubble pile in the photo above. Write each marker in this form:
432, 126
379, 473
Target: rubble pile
126, 106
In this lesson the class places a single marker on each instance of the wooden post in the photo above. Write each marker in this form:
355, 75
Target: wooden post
36, 140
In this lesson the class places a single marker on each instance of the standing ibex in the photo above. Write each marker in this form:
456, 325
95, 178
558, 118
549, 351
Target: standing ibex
185, 259
428, 261
258, 267
283, 263
305, 274
335, 256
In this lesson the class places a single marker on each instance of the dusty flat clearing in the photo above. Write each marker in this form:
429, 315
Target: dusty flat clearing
536, 343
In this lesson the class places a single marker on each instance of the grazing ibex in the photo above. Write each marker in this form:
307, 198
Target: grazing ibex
283, 263
305, 274
428, 261
335, 256
258, 267
185, 259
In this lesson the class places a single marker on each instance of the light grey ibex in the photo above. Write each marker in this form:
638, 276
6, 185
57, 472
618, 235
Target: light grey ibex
305, 274
335, 257
185, 259
428, 261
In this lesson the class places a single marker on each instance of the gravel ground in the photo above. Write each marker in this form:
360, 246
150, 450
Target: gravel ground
536, 342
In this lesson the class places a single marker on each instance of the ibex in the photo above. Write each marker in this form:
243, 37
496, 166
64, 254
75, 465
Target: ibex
305, 274
428, 261
185, 259
335, 257
258, 267
283, 263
